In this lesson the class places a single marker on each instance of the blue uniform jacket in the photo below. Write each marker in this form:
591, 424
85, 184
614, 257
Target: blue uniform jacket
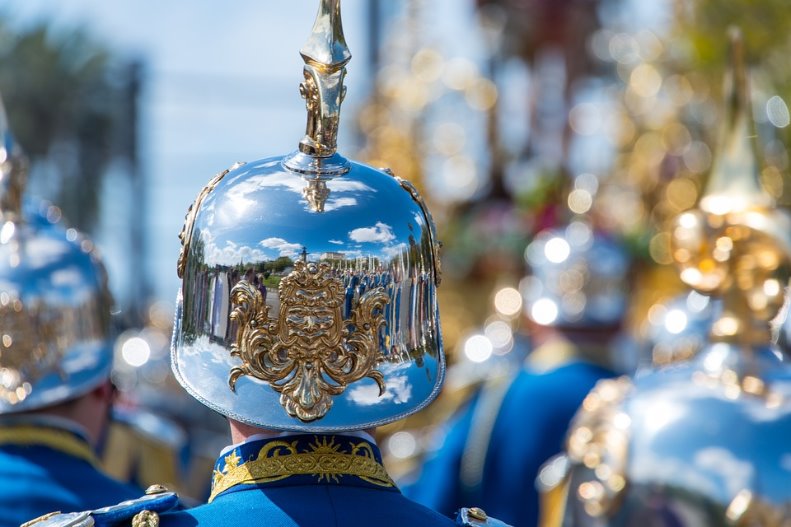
51, 469
524, 422
304, 480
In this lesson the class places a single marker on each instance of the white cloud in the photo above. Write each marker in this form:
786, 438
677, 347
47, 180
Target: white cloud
336, 242
67, 277
397, 389
735, 474
45, 251
347, 185
393, 250
90, 356
335, 204
381, 233
352, 254
232, 253
283, 247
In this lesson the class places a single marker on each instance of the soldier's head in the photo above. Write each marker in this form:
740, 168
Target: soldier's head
577, 283
331, 347
55, 354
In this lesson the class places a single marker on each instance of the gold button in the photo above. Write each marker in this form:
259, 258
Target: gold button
156, 489
478, 514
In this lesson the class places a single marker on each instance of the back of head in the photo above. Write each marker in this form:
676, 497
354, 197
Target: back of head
578, 278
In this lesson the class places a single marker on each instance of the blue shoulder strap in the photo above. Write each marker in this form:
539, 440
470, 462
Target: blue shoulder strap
140, 512
475, 517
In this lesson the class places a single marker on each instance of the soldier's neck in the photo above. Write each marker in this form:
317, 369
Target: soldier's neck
241, 432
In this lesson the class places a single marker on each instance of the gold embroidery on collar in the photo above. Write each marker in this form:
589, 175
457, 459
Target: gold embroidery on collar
51, 438
324, 460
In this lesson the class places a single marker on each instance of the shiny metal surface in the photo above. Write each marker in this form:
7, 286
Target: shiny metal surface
677, 329
704, 442
54, 301
697, 439
371, 233
326, 55
578, 277
308, 299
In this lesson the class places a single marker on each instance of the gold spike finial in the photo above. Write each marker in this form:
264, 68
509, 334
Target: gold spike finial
736, 245
325, 55
734, 182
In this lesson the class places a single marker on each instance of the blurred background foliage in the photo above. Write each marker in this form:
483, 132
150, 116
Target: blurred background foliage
63, 97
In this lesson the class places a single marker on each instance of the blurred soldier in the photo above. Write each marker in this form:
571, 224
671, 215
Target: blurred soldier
575, 301
302, 378
704, 442
55, 356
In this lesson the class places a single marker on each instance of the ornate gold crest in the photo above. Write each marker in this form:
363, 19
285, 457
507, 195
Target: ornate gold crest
310, 353
599, 440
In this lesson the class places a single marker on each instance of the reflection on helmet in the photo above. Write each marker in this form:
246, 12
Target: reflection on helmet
54, 301
578, 278
309, 282
781, 326
677, 329
703, 442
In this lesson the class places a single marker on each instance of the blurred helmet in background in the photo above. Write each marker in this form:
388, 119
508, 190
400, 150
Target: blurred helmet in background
703, 442
578, 278
54, 300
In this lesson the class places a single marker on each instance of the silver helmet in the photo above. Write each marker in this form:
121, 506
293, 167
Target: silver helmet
578, 277
703, 442
308, 298
54, 301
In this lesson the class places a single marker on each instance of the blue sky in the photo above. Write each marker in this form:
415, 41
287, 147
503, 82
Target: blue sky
222, 86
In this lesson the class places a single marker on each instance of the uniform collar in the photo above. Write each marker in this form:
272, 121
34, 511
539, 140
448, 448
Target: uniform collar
52, 432
305, 459
274, 435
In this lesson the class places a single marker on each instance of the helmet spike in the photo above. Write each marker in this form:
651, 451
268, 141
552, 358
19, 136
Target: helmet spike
326, 55
736, 239
734, 183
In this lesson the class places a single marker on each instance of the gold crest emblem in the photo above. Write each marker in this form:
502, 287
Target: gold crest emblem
310, 353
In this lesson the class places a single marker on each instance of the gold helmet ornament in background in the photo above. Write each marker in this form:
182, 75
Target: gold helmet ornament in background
703, 442
54, 303
308, 298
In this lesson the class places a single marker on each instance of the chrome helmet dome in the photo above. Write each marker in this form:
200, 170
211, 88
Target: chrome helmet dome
54, 301
308, 298
703, 442
578, 277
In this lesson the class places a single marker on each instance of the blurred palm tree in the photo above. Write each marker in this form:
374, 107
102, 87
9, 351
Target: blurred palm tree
64, 103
